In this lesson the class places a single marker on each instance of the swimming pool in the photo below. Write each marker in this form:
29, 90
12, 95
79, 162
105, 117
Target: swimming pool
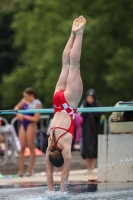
116, 191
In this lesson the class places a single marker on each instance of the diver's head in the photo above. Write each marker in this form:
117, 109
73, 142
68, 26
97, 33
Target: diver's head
55, 154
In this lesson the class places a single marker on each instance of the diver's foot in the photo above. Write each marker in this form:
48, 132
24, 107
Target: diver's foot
78, 25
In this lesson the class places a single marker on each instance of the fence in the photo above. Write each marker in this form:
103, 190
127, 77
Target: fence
4, 158
9, 152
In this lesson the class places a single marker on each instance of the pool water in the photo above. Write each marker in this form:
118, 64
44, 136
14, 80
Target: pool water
74, 192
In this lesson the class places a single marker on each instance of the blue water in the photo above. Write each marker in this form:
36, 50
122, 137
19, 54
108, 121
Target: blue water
74, 192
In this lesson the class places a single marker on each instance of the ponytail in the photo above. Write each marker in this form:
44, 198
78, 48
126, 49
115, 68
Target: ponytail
55, 154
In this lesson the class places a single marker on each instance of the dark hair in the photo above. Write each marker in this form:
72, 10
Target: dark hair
91, 92
30, 91
55, 154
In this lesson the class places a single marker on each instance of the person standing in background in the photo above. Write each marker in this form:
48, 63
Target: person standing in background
90, 130
28, 128
78, 132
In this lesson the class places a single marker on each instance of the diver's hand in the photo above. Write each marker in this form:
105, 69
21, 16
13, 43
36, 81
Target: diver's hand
53, 195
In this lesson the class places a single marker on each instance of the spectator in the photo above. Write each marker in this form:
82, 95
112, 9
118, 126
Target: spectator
90, 130
1, 141
78, 131
1, 138
28, 128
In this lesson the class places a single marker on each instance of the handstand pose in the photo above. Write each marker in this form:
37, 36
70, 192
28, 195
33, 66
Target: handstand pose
68, 92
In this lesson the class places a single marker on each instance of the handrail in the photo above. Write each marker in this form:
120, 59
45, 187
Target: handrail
5, 156
109, 120
85, 109
4, 120
105, 126
42, 117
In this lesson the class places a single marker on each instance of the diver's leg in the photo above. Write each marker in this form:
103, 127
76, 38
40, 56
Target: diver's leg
61, 83
74, 87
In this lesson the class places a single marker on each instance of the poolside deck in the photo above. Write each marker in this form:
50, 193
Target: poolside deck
78, 171
11, 167
76, 176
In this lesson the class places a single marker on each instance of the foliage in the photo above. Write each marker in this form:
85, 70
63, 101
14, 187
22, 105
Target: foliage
41, 31
8, 55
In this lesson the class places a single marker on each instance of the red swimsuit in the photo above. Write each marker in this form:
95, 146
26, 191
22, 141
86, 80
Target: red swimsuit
60, 105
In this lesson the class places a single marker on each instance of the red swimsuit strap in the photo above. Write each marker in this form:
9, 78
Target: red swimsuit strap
61, 134
59, 128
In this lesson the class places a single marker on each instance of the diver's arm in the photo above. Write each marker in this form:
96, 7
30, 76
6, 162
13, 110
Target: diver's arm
66, 153
49, 170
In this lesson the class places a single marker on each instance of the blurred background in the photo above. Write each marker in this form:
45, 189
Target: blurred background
33, 34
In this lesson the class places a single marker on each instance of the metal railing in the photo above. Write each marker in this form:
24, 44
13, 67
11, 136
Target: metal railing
43, 125
105, 126
4, 158
109, 120
9, 151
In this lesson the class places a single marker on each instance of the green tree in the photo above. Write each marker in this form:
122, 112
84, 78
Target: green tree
8, 55
106, 62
